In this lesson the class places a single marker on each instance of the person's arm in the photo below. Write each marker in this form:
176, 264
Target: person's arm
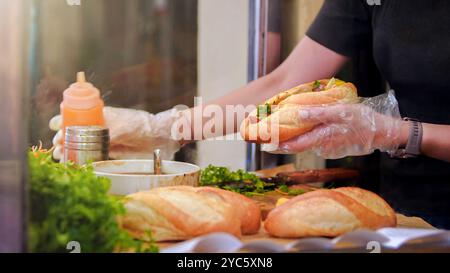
436, 141
309, 61
356, 129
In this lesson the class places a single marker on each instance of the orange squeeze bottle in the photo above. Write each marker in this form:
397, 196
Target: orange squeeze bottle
82, 105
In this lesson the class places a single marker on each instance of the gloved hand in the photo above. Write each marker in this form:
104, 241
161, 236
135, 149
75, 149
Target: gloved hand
133, 133
348, 129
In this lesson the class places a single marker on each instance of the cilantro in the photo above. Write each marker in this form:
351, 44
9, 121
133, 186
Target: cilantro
283, 188
70, 203
239, 181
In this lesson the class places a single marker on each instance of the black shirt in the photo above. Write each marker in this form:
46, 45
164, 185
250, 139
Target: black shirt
411, 48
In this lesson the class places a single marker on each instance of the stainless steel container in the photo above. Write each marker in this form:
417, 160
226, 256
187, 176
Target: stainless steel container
86, 143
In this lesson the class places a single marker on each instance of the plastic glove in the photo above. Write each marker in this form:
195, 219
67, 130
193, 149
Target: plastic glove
348, 129
133, 133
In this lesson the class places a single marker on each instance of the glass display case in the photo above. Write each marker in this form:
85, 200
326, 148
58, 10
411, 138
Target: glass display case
141, 54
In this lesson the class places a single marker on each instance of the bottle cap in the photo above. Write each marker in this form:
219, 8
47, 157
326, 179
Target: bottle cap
81, 95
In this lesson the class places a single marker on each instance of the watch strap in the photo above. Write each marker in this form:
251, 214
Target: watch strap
415, 138
412, 149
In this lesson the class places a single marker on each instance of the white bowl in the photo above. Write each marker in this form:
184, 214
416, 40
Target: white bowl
124, 181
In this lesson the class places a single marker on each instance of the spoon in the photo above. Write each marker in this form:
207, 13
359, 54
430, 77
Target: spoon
157, 161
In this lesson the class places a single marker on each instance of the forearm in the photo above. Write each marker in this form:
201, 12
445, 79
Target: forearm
309, 61
435, 140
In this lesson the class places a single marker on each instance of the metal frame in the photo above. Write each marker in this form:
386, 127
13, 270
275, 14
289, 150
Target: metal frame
13, 123
256, 63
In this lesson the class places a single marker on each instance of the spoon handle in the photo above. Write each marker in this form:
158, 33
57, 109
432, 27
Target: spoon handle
157, 161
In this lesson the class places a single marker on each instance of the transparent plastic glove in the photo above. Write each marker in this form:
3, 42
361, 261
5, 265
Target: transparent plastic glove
133, 133
348, 129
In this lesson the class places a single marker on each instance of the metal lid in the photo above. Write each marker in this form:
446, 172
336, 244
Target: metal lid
88, 146
87, 134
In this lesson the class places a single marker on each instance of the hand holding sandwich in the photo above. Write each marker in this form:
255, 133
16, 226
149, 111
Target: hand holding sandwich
349, 129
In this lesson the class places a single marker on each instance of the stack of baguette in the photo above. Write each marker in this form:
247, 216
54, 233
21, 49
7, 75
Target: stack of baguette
182, 212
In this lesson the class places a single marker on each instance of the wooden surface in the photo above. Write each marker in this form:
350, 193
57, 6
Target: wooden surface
268, 201
402, 221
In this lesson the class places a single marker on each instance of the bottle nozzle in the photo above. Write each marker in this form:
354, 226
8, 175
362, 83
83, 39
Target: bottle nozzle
81, 77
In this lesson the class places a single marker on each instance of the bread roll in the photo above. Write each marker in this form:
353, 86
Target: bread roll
282, 120
247, 210
329, 213
182, 212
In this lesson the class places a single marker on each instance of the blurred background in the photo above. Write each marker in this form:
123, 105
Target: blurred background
149, 55
155, 54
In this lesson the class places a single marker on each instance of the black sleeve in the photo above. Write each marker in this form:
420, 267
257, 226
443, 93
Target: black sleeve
343, 26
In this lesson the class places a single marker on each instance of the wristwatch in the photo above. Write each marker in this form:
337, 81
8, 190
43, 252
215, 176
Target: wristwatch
412, 148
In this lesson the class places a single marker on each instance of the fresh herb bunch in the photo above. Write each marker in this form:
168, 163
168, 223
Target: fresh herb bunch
70, 203
239, 181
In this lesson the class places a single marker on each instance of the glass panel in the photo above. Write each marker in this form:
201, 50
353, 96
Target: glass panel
13, 121
140, 53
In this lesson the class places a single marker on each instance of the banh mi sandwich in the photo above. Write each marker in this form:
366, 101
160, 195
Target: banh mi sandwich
277, 119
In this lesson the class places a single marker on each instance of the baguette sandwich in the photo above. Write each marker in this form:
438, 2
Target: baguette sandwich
277, 119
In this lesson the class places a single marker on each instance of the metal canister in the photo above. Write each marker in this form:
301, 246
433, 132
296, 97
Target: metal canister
86, 143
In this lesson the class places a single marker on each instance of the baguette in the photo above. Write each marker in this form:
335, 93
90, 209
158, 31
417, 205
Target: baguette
277, 119
329, 213
247, 210
183, 212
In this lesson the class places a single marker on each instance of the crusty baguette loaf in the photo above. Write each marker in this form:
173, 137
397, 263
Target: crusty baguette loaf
247, 210
182, 212
283, 123
329, 213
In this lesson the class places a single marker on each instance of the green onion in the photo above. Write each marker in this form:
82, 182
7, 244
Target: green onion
263, 110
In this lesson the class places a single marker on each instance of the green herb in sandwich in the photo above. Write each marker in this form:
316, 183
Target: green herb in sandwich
316, 85
263, 111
